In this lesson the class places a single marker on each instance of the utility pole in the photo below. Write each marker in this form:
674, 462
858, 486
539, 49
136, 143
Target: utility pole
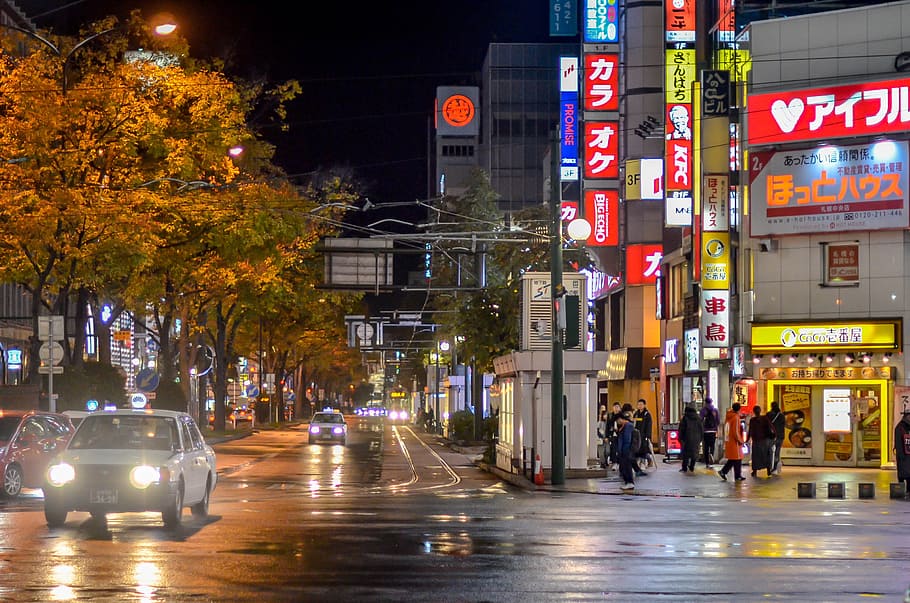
557, 429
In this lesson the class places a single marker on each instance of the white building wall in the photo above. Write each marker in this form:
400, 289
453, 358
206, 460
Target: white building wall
811, 50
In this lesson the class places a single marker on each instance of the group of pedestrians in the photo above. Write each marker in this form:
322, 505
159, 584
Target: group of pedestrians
626, 441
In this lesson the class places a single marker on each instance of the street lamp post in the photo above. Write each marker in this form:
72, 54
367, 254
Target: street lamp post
162, 29
557, 433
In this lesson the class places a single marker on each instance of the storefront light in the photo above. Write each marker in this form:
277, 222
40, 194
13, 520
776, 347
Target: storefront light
886, 357
849, 358
792, 358
867, 358
756, 359
775, 358
810, 358
829, 359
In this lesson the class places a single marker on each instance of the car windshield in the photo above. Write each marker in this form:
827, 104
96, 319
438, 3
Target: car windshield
8, 427
130, 432
328, 418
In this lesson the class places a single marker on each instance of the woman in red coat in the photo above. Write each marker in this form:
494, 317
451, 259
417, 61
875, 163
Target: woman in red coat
733, 444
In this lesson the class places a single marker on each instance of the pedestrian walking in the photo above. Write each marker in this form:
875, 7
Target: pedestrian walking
644, 424
612, 433
711, 420
778, 421
624, 451
761, 439
691, 432
902, 448
603, 438
733, 444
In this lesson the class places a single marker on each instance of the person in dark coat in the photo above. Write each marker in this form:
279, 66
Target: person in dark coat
902, 448
644, 425
691, 431
711, 420
778, 422
761, 436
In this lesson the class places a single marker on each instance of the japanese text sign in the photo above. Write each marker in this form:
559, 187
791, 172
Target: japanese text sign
643, 264
862, 109
455, 110
568, 211
601, 19
726, 21
715, 211
601, 77
841, 263
680, 74
715, 260
602, 212
715, 95
679, 21
830, 189
715, 318
601, 149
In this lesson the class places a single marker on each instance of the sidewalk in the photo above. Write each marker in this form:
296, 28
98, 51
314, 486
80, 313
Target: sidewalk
667, 480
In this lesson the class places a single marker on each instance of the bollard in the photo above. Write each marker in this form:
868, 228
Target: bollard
866, 490
805, 490
898, 490
836, 490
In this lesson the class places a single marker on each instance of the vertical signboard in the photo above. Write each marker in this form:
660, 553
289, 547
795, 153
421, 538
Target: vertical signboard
602, 211
601, 149
643, 264
601, 21
568, 132
680, 74
601, 82
563, 17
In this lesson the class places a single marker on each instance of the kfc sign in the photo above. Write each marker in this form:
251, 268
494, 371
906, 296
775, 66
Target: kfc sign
679, 165
602, 212
601, 73
601, 149
643, 264
865, 109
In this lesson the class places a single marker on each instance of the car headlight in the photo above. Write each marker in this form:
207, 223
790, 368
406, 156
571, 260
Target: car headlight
338, 430
393, 415
60, 474
314, 428
144, 476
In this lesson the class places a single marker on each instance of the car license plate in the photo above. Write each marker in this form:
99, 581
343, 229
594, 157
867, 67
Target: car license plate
103, 497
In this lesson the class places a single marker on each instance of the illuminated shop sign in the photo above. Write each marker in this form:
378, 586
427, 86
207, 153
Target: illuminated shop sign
823, 337
602, 212
862, 109
691, 350
680, 20
568, 211
841, 263
830, 189
715, 210
601, 149
678, 208
726, 21
827, 372
456, 113
715, 260
715, 318
601, 77
680, 74
568, 143
643, 264
601, 19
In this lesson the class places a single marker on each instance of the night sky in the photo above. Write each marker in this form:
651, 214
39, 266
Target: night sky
369, 70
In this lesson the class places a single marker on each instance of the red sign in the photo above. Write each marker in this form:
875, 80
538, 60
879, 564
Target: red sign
568, 211
601, 82
458, 110
680, 20
602, 211
643, 264
601, 149
679, 165
863, 109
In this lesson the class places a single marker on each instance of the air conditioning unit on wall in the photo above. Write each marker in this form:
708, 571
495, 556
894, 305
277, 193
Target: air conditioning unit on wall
536, 308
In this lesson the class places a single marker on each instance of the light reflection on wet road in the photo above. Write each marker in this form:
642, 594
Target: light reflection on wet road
384, 519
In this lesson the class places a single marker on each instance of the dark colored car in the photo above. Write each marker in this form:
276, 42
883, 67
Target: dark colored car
29, 440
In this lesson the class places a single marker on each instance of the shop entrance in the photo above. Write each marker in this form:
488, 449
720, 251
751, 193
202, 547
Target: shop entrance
835, 424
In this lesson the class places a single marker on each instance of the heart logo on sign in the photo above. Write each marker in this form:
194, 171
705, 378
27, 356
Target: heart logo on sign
786, 115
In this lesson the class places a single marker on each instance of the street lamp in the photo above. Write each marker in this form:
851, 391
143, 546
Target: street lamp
162, 29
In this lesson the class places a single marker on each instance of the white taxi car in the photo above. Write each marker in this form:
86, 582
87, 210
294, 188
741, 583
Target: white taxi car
328, 426
132, 460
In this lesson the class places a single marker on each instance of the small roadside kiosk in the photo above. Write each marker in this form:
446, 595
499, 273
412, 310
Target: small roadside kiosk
835, 382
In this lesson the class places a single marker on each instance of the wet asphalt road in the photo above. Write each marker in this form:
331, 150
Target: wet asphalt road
389, 518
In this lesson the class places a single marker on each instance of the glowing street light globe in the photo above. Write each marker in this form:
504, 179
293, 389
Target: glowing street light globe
579, 229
